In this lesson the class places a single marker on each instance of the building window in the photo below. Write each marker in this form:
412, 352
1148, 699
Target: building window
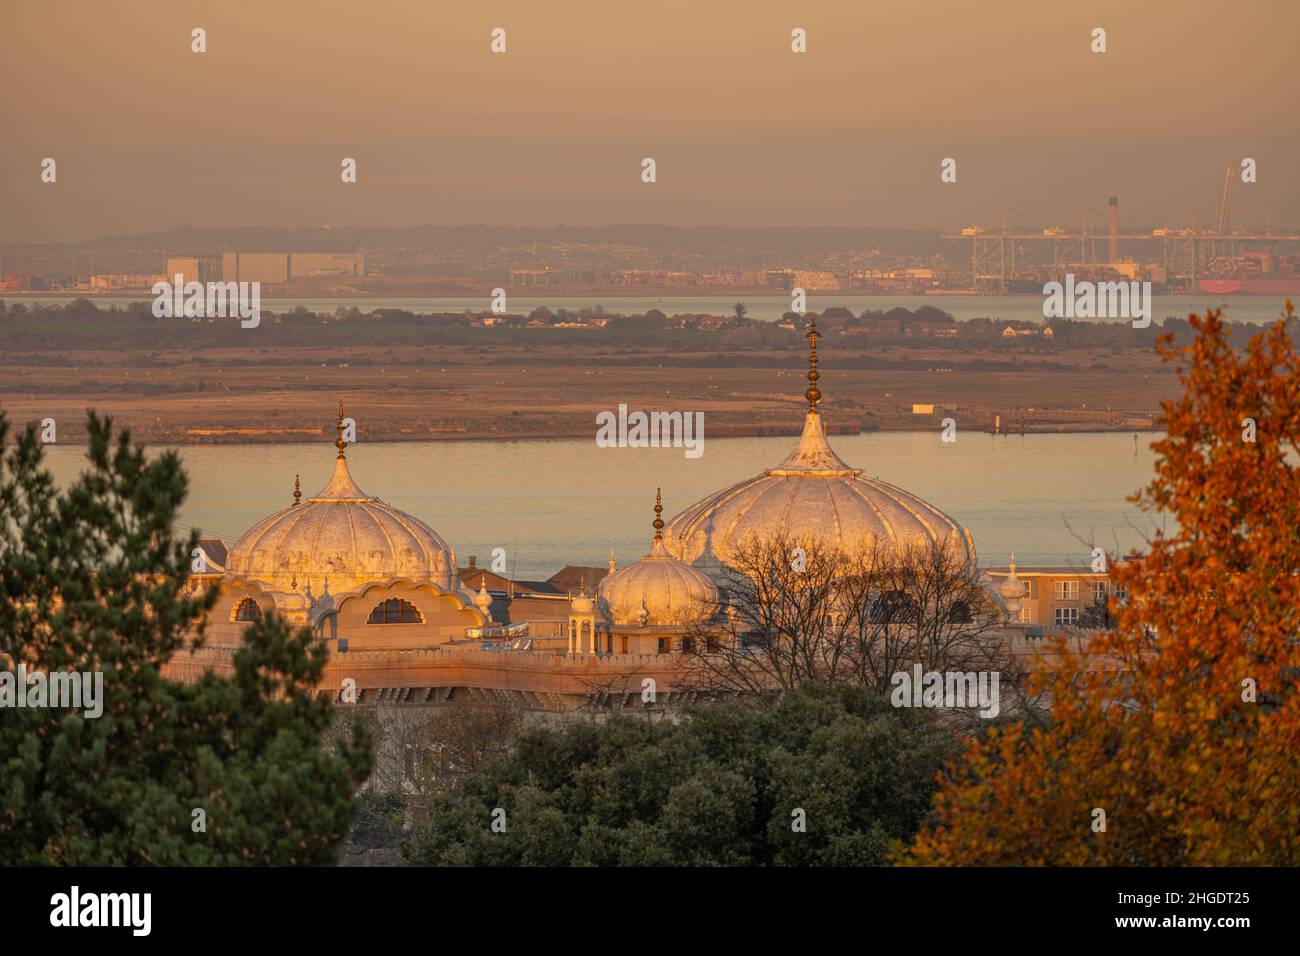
1067, 616
1121, 592
1027, 591
1026, 615
395, 611
894, 607
687, 645
710, 643
1067, 590
960, 613
248, 610
663, 645
1098, 591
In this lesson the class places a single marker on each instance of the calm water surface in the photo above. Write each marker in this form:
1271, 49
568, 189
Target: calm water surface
556, 502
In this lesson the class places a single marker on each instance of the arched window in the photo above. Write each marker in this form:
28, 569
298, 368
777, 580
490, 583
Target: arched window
247, 610
959, 613
395, 611
894, 607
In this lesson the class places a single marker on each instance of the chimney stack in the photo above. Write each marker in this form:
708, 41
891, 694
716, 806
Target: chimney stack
1112, 229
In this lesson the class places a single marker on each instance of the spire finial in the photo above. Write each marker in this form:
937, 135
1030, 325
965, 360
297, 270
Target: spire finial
582, 586
813, 394
612, 566
659, 510
339, 443
1013, 562
297, 491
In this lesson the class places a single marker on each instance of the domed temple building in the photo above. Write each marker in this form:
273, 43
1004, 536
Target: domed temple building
403, 623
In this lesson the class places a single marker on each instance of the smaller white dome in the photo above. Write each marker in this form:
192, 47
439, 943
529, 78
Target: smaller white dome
1011, 587
1012, 592
658, 589
580, 603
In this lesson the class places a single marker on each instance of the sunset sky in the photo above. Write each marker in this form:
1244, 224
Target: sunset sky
148, 135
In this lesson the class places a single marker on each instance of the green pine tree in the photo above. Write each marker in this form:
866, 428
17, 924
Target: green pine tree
725, 786
93, 579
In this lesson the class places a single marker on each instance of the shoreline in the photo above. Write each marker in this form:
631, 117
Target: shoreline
295, 436
620, 292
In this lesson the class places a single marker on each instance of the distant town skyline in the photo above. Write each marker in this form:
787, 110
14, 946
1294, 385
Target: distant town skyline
149, 135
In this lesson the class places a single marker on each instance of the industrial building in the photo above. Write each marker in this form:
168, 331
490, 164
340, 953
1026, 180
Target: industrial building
268, 268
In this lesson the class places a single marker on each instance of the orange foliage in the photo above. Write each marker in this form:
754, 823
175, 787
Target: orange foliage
1187, 771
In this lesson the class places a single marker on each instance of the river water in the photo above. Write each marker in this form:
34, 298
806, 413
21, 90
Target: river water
554, 502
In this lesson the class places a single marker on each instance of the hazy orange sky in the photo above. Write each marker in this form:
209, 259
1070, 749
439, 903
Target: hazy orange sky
148, 135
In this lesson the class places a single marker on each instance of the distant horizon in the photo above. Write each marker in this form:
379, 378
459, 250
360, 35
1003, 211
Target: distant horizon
1126, 227
742, 127
330, 227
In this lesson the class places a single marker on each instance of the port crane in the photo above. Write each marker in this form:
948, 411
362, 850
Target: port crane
1001, 246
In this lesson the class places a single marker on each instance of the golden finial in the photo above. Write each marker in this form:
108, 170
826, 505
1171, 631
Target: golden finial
612, 566
339, 443
813, 394
659, 510
297, 491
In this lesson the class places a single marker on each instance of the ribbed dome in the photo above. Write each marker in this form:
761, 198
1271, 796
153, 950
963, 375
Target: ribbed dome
1011, 587
812, 494
581, 604
658, 589
483, 600
344, 536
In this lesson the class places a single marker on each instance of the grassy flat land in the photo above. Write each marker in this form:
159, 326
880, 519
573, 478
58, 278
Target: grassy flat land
290, 393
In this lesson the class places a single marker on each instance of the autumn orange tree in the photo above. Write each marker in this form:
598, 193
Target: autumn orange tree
1191, 748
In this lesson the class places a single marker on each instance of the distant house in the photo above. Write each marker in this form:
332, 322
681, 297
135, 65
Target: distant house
573, 577
473, 577
540, 601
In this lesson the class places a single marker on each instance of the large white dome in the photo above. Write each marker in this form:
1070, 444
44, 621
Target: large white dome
811, 494
344, 537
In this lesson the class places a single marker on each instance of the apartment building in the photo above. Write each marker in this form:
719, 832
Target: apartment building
1058, 596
